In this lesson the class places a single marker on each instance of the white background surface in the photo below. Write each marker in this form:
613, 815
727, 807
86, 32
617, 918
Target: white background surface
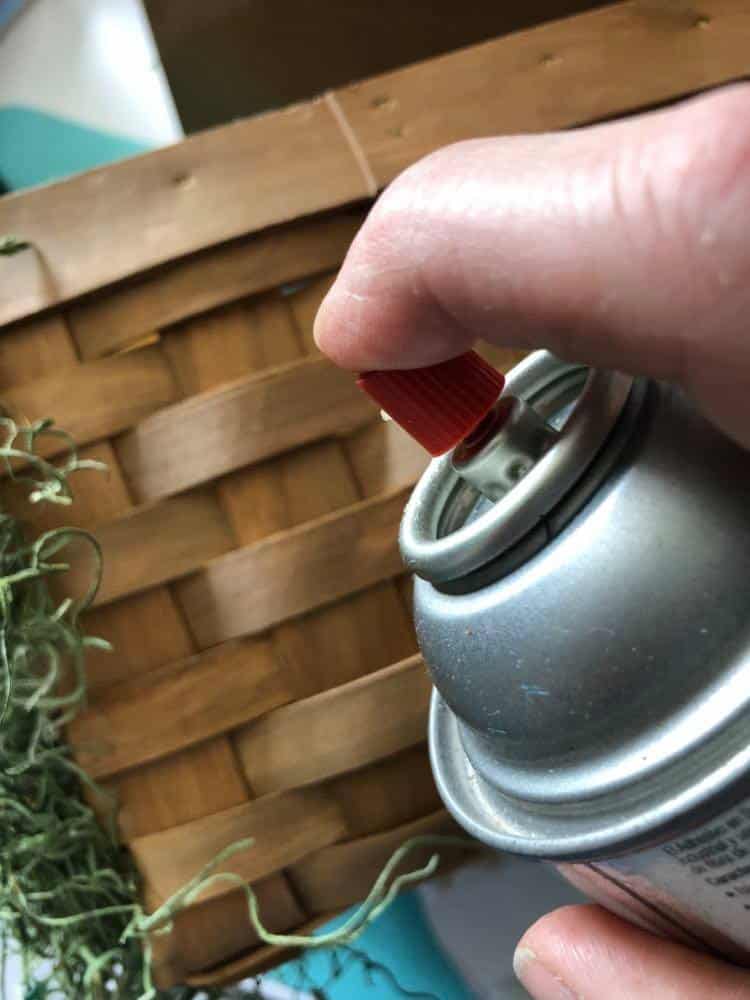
93, 62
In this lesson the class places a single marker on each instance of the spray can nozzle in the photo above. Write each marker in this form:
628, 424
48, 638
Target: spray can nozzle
457, 405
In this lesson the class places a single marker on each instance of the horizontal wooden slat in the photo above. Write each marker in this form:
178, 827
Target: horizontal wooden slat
95, 400
122, 219
288, 574
304, 305
343, 874
386, 793
98, 495
243, 422
154, 544
241, 338
182, 288
139, 645
339, 734
199, 781
256, 962
349, 639
560, 74
176, 706
357, 864
286, 828
188, 948
384, 457
32, 349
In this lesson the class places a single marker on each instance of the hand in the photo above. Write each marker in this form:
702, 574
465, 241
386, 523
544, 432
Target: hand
586, 953
624, 246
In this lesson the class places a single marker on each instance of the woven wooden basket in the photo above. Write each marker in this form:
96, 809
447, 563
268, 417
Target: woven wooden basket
265, 680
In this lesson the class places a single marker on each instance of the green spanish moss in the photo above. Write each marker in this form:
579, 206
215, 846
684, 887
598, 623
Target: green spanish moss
11, 244
68, 890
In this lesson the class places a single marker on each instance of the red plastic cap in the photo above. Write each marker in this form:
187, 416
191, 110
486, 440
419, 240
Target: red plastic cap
438, 405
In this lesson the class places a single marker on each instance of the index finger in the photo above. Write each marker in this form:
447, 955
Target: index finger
623, 246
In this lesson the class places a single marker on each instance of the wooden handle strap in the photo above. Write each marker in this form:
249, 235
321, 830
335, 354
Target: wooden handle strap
253, 174
228, 687
109, 322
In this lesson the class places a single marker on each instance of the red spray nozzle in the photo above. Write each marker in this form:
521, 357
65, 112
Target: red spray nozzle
439, 405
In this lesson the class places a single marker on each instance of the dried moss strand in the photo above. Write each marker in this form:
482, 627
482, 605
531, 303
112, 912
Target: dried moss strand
382, 894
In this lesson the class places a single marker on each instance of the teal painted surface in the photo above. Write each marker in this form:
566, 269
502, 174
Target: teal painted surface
36, 147
8, 10
401, 941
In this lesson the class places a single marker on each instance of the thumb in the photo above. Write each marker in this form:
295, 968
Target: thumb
623, 246
586, 953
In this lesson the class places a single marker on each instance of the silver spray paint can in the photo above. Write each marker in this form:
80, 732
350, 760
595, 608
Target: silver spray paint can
584, 616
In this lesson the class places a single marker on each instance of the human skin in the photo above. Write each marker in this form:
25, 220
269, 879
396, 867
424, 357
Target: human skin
624, 246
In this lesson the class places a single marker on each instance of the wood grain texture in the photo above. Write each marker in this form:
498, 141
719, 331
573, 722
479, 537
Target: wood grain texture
109, 321
178, 705
299, 486
405, 587
214, 349
350, 638
155, 544
358, 863
98, 495
34, 348
120, 220
188, 949
338, 729
384, 458
386, 793
360, 634
254, 588
304, 304
205, 353
146, 632
258, 961
200, 781
285, 828
243, 422
95, 400
253, 174
353, 637
356, 636
560, 74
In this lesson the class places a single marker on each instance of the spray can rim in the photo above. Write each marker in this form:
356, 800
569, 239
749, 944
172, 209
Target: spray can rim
443, 557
